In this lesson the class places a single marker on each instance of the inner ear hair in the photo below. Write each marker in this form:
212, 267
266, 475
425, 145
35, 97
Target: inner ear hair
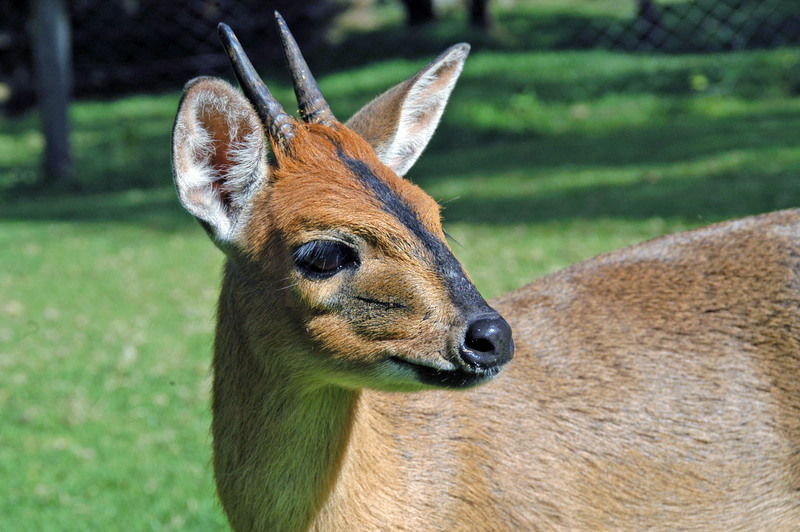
399, 123
219, 155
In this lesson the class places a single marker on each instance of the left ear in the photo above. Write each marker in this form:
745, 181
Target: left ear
218, 157
400, 122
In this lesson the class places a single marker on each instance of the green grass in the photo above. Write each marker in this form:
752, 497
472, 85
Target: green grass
545, 157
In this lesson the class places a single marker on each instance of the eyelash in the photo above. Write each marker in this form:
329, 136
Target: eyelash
321, 259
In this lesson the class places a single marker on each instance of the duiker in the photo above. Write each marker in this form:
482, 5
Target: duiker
357, 371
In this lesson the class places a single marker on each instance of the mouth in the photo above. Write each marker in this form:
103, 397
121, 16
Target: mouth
447, 378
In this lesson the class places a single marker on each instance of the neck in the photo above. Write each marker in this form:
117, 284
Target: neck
278, 443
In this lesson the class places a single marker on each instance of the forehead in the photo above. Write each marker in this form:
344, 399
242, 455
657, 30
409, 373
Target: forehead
331, 179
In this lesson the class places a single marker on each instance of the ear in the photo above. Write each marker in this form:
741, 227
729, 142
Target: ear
400, 122
218, 156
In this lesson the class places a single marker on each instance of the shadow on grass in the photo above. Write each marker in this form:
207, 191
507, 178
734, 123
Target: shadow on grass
717, 197
157, 209
117, 151
124, 168
471, 153
461, 151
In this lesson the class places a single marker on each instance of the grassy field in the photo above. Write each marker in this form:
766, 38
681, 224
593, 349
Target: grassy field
544, 157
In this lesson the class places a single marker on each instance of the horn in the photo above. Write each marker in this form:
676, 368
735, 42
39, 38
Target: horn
312, 105
279, 125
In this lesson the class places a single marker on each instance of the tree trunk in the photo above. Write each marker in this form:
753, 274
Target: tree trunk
52, 45
648, 24
479, 14
419, 11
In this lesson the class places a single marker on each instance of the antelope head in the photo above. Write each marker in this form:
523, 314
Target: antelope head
338, 267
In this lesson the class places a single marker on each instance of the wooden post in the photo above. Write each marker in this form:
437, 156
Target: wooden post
648, 24
52, 43
479, 14
419, 12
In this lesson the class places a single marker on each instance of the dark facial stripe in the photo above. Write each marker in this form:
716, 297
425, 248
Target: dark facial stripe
390, 202
463, 293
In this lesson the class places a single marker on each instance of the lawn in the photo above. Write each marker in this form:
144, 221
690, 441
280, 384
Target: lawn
544, 157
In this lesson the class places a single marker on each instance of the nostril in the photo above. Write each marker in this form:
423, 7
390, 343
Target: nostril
487, 343
483, 345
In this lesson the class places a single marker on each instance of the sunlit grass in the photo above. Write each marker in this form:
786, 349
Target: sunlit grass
104, 329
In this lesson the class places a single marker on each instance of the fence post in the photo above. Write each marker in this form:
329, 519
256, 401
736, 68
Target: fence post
648, 23
419, 12
52, 44
479, 14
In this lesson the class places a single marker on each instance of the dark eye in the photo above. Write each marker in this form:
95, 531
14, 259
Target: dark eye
323, 258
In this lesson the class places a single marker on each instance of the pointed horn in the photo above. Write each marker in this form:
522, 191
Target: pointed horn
312, 105
279, 125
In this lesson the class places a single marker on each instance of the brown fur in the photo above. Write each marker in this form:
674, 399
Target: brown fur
302, 346
655, 387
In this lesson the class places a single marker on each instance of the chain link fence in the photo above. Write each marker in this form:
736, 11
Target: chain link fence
136, 45
141, 45
696, 26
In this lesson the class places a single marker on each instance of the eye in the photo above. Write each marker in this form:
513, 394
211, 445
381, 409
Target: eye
323, 258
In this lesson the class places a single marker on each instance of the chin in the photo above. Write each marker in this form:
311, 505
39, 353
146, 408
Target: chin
452, 378
396, 374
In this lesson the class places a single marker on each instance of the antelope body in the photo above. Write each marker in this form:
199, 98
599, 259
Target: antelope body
651, 388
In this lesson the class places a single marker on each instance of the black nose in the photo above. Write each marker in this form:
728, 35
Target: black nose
487, 343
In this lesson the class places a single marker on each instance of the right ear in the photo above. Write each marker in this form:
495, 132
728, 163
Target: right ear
400, 122
218, 156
